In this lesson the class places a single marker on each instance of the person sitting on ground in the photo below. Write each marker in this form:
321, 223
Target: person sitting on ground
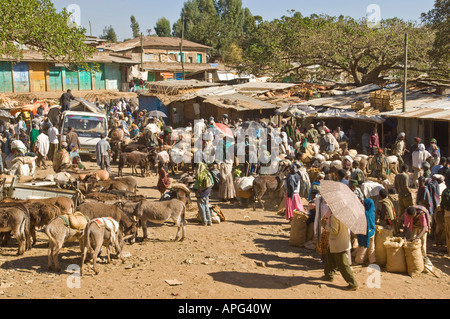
75, 157
61, 159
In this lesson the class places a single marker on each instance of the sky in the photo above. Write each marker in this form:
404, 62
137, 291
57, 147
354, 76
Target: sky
102, 13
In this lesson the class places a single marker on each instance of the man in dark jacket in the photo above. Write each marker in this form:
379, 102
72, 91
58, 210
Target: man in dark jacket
65, 100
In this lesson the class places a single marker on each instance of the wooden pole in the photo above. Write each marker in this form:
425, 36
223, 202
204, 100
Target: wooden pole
142, 52
181, 49
405, 80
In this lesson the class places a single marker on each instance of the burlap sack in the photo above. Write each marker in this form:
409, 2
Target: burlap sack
414, 258
298, 229
395, 255
78, 221
381, 235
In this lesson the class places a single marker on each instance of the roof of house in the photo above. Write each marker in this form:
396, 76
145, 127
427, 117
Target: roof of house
31, 56
150, 41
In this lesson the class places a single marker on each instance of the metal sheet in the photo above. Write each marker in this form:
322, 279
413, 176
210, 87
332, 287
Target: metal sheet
6, 83
21, 77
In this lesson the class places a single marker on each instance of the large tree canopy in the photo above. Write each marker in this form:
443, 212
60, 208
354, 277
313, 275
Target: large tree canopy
221, 24
439, 19
336, 46
36, 24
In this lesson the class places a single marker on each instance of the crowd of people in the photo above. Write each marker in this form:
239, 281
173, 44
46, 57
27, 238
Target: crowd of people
422, 188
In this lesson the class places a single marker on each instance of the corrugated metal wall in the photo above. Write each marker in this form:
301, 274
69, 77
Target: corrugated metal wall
37, 76
56, 78
99, 77
21, 77
40, 77
113, 77
6, 81
70, 80
85, 79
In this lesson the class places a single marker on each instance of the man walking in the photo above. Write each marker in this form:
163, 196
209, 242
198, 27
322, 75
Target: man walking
103, 153
41, 147
405, 200
336, 256
53, 140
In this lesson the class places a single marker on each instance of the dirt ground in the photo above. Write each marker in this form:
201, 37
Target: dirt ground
246, 257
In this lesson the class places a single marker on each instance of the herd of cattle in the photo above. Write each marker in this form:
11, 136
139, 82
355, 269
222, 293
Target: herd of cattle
109, 214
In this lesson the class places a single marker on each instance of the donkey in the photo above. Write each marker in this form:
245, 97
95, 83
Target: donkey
158, 212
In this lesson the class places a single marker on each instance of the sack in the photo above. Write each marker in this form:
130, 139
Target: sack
216, 209
329, 148
414, 258
298, 229
78, 221
395, 255
381, 235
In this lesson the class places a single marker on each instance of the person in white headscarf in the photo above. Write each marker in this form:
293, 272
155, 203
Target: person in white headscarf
418, 157
227, 190
400, 148
284, 146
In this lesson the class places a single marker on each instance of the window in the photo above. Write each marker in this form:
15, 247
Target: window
199, 58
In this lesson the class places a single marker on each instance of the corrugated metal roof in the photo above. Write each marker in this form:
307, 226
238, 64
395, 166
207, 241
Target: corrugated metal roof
430, 109
149, 41
101, 58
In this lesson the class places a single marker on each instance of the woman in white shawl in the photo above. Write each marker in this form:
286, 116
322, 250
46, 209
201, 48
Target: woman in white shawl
42, 146
284, 146
226, 186
418, 157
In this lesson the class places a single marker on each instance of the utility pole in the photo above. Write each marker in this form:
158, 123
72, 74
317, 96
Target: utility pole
142, 52
405, 80
181, 49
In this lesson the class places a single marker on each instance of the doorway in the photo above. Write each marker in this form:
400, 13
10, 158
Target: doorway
440, 133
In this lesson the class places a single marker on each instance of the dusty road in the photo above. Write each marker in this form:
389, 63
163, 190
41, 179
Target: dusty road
246, 257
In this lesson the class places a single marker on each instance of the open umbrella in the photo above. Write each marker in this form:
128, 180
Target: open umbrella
345, 205
157, 114
224, 129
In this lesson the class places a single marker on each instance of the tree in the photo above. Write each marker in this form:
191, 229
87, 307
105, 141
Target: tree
109, 34
439, 20
135, 27
162, 28
37, 24
338, 45
218, 24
